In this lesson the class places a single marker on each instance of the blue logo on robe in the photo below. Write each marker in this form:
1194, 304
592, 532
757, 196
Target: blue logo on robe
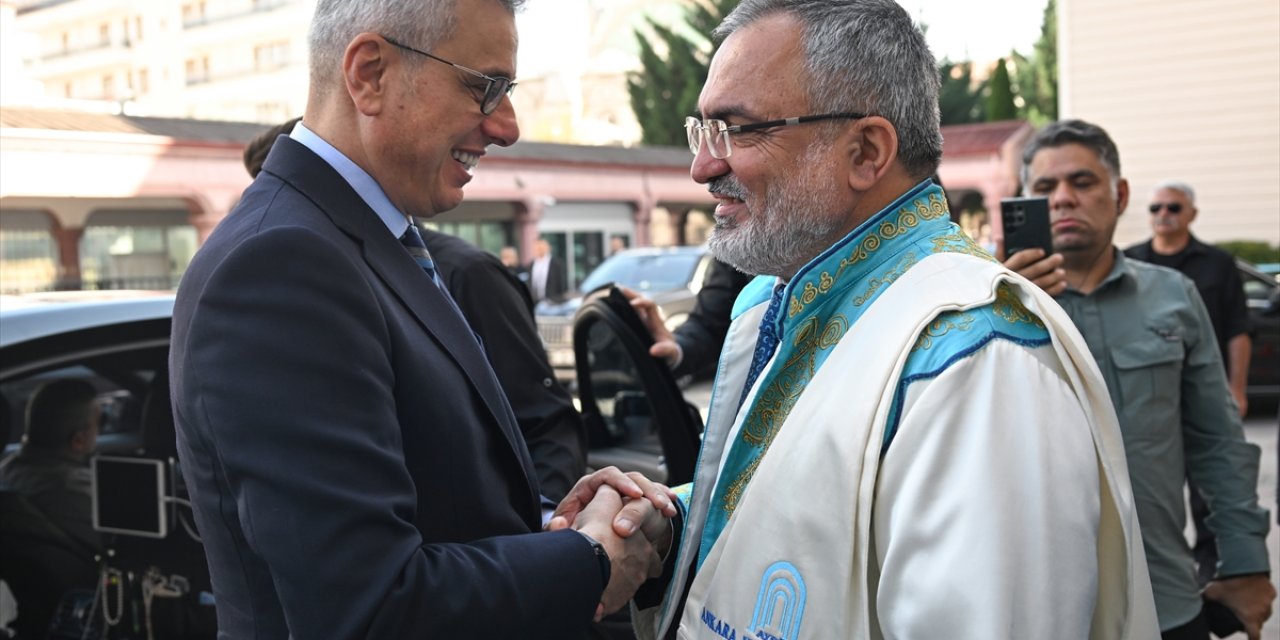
780, 603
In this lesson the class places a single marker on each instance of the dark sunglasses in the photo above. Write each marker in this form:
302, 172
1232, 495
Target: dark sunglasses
497, 86
1173, 207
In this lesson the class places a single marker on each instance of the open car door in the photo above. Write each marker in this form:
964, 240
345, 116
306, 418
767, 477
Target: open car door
636, 417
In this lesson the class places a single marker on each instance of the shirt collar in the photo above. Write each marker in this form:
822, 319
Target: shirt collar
1120, 270
364, 184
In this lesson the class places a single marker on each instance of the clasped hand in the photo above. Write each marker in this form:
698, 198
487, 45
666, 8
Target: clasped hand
611, 506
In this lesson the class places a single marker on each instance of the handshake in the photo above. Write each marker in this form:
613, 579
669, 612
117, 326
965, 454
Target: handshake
612, 506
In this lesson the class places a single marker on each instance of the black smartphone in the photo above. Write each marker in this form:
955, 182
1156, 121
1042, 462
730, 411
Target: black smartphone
1026, 225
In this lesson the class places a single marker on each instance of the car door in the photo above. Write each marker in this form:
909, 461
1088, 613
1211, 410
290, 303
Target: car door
636, 417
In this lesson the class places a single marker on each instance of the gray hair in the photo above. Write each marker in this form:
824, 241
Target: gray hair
1064, 132
865, 56
421, 24
1179, 186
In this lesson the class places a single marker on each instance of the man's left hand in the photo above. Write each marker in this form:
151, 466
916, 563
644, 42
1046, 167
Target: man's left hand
1249, 597
630, 485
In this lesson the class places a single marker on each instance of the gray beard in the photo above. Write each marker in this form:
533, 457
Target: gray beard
791, 224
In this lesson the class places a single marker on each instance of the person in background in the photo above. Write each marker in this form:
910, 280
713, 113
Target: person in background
1173, 209
51, 469
905, 439
548, 279
511, 260
616, 244
354, 467
1148, 330
694, 346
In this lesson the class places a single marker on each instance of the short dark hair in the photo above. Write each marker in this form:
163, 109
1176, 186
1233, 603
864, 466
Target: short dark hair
57, 411
255, 153
1064, 132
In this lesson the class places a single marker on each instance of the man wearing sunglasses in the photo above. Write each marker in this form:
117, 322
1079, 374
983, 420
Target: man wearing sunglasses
1173, 209
354, 468
903, 441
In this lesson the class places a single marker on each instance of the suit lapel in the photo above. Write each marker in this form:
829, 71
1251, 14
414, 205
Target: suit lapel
325, 187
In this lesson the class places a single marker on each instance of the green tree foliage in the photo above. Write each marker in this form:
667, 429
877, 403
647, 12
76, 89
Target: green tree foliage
1036, 77
1000, 95
673, 70
1252, 251
959, 98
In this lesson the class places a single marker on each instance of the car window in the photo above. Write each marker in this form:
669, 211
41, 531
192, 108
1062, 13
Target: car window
645, 272
121, 387
1256, 288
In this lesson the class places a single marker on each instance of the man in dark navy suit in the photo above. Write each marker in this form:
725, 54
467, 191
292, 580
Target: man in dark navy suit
354, 467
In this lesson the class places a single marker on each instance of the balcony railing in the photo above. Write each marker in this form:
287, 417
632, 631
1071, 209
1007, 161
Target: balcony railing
195, 22
91, 48
151, 283
205, 77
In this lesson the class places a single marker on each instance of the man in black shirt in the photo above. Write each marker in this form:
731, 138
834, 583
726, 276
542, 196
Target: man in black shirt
1213, 270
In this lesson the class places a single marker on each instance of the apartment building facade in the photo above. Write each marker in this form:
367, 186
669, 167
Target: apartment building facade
237, 60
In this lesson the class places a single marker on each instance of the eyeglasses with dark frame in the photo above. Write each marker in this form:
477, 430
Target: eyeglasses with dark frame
497, 86
716, 132
1173, 207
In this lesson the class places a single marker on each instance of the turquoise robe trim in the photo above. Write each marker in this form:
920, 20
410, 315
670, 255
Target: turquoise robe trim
824, 299
956, 335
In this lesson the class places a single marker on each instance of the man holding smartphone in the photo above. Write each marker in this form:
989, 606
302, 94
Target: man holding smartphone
1151, 336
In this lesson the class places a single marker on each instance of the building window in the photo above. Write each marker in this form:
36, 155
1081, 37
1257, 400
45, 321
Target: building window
271, 56
193, 13
104, 34
137, 28
127, 249
143, 85
108, 87
489, 235
66, 90
66, 42
198, 70
28, 252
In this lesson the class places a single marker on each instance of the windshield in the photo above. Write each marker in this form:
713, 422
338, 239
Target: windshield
645, 272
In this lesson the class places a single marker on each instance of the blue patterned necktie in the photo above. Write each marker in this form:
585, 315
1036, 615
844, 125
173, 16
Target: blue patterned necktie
412, 241
766, 342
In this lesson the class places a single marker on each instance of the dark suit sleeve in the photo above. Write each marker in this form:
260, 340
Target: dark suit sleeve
557, 279
497, 307
290, 385
702, 336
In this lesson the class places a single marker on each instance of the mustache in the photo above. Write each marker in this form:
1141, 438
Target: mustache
728, 186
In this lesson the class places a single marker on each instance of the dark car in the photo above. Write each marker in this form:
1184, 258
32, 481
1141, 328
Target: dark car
119, 343
671, 276
1263, 296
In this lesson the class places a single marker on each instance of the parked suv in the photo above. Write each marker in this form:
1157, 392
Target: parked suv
671, 276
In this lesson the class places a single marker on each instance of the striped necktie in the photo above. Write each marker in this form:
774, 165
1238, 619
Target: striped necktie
412, 241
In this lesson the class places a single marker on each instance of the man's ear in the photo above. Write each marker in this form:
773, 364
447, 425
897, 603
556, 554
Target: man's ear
79, 442
872, 149
1122, 196
365, 68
